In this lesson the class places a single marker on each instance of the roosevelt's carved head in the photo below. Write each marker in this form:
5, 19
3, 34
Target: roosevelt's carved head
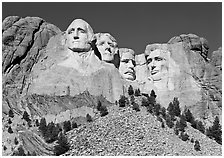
79, 35
158, 64
127, 63
107, 46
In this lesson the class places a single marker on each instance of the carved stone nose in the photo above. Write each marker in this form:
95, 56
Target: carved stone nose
153, 67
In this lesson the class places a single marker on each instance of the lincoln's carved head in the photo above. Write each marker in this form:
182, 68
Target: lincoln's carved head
127, 63
107, 46
158, 64
79, 35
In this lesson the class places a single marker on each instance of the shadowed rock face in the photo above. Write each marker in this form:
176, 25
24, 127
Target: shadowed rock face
127, 64
23, 44
107, 46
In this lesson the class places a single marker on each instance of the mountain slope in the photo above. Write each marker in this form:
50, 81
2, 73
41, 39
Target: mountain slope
127, 132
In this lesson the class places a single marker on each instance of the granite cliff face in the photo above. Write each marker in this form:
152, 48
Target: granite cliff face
35, 81
23, 43
191, 75
59, 80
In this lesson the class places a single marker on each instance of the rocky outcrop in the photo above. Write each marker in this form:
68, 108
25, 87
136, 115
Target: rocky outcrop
188, 71
194, 42
23, 44
34, 144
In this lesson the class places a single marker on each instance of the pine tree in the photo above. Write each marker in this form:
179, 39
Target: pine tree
122, 101
197, 146
37, 123
135, 107
170, 110
132, 99
215, 131
74, 125
159, 118
130, 90
89, 118
102, 109
9, 121
16, 141
184, 136
4, 147
163, 112
200, 127
145, 102
169, 121
11, 114
99, 105
156, 109
20, 151
10, 130
137, 92
62, 145
152, 98
188, 115
43, 126
176, 107
183, 123
153, 94
26, 116
162, 125
176, 131
67, 126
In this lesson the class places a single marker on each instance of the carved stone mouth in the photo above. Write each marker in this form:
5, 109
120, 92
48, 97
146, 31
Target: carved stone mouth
129, 72
154, 72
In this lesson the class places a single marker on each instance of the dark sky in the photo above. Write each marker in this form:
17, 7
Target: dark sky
134, 25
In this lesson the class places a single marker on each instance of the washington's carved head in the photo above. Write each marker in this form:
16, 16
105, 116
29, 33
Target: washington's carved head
158, 64
127, 63
78, 36
107, 46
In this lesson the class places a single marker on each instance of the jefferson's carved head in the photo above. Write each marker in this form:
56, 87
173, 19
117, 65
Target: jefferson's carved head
107, 46
158, 64
127, 63
79, 35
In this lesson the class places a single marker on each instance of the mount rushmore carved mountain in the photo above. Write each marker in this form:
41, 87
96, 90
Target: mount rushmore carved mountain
63, 75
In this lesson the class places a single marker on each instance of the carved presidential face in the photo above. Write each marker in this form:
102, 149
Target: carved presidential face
107, 46
157, 64
79, 34
127, 64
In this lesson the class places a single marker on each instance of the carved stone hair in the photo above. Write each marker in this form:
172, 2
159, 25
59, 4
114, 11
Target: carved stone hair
88, 27
97, 36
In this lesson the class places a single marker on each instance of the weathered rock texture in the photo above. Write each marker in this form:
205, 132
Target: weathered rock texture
206, 73
32, 80
140, 67
52, 79
23, 43
192, 76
